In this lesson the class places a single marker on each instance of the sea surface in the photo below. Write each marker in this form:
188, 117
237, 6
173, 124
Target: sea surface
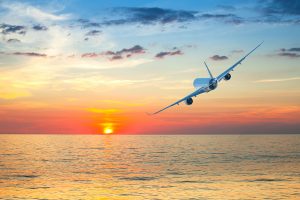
108, 167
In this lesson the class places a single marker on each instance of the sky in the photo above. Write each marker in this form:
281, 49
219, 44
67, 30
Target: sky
93, 67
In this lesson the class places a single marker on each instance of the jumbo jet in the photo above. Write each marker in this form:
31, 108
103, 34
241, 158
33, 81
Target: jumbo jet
203, 85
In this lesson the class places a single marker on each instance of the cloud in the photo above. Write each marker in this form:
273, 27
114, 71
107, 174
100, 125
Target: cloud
218, 57
26, 10
294, 49
291, 52
86, 23
216, 16
275, 20
117, 55
155, 15
108, 53
29, 54
151, 16
168, 53
238, 51
89, 55
39, 28
290, 49
137, 49
8, 29
277, 80
290, 55
13, 40
281, 7
278, 12
93, 33
227, 18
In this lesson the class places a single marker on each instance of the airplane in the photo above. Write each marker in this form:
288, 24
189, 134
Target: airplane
203, 85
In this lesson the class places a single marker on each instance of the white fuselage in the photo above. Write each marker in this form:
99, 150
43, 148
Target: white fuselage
208, 83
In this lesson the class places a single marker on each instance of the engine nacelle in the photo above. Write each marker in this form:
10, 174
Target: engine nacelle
213, 84
227, 77
189, 101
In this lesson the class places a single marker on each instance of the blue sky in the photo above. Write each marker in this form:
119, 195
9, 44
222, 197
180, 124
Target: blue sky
112, 61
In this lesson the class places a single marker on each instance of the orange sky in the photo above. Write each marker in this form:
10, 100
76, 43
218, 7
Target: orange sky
62, 74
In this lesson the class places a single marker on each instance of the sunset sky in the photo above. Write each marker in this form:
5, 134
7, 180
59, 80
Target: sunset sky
90, 67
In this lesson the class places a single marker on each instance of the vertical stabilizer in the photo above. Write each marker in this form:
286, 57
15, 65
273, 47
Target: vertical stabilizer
211, 76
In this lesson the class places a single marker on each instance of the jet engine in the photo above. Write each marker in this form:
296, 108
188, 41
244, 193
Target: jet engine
227, 77
189, 101
213, 83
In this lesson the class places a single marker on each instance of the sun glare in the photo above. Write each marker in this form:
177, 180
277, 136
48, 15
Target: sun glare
108, 130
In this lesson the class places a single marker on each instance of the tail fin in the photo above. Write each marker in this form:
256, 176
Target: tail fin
211, 76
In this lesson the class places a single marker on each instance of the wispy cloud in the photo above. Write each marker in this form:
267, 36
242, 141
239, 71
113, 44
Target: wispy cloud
277, 80
31, 54
86, 23
291, 7
268, 12
13, 40
291, 49
93, 33
290, 55
151, 16
142, 15
9, 28
117, 55
39, 27
290, 52
237, 51
155, 15
218, 57
37, 14
89, 55
278, 12
168, 53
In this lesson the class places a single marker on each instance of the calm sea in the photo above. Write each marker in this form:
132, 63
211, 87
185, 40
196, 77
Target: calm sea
149, 167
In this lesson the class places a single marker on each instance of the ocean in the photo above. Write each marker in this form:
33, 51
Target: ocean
115, 167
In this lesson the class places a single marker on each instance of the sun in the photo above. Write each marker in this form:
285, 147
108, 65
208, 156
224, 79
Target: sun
108, 130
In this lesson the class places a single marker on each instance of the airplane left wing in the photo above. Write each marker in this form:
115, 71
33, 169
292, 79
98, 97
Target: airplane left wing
195, 93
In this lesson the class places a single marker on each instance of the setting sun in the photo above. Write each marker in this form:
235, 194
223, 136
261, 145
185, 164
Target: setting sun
107, 130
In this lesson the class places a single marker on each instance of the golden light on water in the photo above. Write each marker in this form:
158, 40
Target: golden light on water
124, 157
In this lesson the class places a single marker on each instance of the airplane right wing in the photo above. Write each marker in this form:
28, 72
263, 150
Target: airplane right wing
221, 76
195, 93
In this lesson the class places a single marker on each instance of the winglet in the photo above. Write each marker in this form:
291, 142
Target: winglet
211, 76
